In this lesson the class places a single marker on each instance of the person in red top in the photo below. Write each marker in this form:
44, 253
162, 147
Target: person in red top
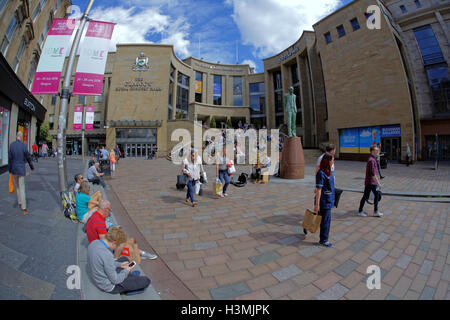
96, 225
35, 152
96, 230
371, 183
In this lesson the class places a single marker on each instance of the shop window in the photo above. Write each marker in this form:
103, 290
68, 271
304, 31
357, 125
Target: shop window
4, 133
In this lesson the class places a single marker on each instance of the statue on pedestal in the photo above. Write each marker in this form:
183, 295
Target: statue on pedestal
291, 111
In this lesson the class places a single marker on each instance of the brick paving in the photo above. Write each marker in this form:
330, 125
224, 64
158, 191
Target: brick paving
250, 244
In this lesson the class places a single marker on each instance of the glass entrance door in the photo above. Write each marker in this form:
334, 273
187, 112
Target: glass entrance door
391, 148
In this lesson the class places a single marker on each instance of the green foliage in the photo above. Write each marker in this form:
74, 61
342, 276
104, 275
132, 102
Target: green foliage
212, 123
44, 134
229, 124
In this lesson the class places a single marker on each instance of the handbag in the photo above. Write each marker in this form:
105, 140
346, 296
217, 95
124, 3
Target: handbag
311, 221
182, 181
231, 168
11, 184
337, 196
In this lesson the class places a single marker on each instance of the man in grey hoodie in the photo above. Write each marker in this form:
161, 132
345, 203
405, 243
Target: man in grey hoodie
109, 275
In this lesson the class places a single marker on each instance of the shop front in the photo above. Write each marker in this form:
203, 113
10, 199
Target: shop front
355, 143
137, 143
20, 111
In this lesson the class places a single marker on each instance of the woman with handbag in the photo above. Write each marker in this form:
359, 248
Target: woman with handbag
324, 200
192, 169
222, 169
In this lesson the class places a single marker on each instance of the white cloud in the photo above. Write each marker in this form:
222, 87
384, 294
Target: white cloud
251, 63
135, 25
272, 26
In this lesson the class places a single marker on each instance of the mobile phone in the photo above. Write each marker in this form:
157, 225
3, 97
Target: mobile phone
132, 264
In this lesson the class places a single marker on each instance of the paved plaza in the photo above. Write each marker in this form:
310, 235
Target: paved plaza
250, 244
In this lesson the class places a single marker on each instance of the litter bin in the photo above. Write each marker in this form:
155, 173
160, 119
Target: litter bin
105, 168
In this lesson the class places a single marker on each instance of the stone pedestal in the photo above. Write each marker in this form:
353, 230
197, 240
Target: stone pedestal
292, 164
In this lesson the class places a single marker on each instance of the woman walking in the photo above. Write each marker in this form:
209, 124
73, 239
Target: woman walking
112, 160
222, 169
192, 168
324, 200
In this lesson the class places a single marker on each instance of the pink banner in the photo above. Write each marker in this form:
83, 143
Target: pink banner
57, 45
91, 64
88, 84
46, 82
78, 118
90, 111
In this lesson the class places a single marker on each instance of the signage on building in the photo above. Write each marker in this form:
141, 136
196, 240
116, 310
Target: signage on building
289, 53
57, 44
359, 140
91, 64
141, 64
220, 67
139, 84
27, 103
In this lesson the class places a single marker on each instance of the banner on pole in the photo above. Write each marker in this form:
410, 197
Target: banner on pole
78, 118
91, 64
90, 111
48, 72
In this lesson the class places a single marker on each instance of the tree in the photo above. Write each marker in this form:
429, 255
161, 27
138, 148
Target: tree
229, 124
44, 132
212, 123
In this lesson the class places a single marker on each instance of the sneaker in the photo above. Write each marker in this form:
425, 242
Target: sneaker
225, 194
326, 244
362, 214
148, 255
378, 214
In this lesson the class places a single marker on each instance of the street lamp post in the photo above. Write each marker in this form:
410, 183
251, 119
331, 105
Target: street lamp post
65, 96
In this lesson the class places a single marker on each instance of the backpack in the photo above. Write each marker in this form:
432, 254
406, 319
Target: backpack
69, 205
242, 180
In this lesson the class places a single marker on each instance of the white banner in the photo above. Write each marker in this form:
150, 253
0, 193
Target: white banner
91, 64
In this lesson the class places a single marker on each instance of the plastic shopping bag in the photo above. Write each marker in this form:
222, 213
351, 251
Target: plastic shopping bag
11, 184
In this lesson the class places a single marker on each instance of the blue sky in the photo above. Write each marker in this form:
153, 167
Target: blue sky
212, 29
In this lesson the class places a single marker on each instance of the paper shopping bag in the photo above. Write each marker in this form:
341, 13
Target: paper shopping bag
311, 221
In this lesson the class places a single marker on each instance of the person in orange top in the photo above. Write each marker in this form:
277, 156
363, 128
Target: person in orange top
112, 159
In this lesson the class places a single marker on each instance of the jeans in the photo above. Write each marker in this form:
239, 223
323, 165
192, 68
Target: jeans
131, 283
190, 189
225, 179
325, 224
367, 190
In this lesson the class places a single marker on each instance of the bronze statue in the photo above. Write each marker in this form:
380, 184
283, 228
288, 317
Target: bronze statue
291, 112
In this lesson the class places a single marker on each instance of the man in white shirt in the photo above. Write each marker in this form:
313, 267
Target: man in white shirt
331, 148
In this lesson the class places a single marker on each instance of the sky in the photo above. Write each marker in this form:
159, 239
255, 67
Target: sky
224, 31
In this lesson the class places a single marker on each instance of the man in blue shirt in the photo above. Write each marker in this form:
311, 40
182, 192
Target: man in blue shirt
18, 154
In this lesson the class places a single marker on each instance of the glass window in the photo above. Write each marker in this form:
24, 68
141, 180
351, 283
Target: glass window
438, 80
19, 55
97, 120
51, 121
183, 95
4, 133
327, 37
36, 11
294, 74
341, 31
428, 45
171, 85
277, 80
54, 99
257, 99
81, 99
237, 91
8, 35
418, 4
3, 4
217, 93
198, 86
403, 8
355, 24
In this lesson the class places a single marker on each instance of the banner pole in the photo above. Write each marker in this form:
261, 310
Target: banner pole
65, 97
